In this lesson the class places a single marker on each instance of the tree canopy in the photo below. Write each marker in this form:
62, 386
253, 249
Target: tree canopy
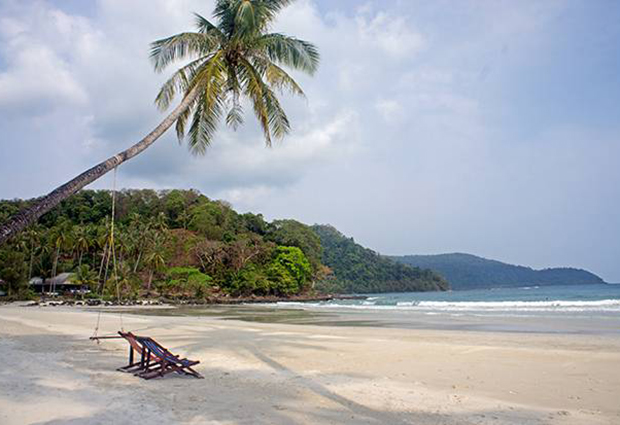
181, 244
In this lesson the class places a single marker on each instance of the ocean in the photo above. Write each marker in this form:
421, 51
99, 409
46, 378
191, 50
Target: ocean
577, 309
588, 299
589, 309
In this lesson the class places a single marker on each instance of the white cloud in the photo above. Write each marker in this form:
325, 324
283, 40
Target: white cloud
37, 72
390, 34
391, 110
38, 77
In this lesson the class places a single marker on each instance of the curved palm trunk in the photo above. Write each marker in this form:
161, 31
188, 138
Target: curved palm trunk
30, 215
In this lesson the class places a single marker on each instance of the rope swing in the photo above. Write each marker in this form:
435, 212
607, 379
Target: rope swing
110, 252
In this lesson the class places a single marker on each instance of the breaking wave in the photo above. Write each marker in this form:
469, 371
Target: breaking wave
608, 305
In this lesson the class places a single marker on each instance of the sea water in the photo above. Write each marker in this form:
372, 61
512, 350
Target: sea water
592, 298
593, 308
574, 309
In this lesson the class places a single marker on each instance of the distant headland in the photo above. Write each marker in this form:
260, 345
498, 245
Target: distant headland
466, 271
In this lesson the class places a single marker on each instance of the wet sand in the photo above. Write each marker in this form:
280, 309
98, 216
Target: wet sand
553, 323
265, 373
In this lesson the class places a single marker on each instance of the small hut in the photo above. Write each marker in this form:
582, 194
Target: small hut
60, 283
36, 284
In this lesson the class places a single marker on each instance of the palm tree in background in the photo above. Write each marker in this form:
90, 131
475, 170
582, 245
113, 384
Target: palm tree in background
82, 242
32, 238
235, 58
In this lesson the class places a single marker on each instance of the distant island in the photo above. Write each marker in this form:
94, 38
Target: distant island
466, 271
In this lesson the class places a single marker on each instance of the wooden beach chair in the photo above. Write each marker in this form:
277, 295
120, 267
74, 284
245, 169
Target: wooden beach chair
164, 361
136, 362
155, 360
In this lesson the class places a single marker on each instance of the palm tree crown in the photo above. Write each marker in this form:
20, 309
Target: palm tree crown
234, 58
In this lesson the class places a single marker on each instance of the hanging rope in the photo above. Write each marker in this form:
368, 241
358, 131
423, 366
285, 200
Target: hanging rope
113, 248
111, 253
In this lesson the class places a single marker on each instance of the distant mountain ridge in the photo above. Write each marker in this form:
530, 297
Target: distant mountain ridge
467, 271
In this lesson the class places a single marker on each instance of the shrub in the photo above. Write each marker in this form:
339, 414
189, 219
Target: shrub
186, 281
289, 271
250, 280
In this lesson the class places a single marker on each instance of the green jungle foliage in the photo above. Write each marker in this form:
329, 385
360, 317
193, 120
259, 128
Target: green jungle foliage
361, 270
177, 244
465, 271
181, 244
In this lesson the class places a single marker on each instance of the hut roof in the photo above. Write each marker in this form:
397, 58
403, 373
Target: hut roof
36, 281
61, 279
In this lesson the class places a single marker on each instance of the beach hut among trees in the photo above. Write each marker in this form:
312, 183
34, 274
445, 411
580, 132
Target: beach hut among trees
64, 282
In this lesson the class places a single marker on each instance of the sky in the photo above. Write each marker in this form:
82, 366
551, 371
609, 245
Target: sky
487, 127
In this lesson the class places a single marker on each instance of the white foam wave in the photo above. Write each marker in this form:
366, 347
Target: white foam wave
610, 305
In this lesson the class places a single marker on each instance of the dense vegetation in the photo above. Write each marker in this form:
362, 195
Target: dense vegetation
465, 271
177, 244
181, 244
361, 270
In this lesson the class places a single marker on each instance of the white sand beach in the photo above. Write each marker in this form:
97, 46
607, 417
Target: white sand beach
257, 373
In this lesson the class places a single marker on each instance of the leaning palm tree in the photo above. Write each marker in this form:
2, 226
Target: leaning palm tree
235, 58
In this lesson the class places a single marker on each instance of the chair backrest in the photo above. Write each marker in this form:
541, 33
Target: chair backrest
159, 351
132, 340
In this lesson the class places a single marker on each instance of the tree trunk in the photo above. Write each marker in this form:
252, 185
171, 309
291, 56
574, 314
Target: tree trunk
30, 266
105, 250
30, 215
148, 286
55, 265
135, 267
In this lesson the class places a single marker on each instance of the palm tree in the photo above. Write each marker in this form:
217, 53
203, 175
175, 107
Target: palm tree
32, 236
156, 262
61, 239
232, 58
82, 242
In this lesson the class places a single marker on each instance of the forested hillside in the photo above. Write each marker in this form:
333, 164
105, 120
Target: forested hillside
465, 271
181, 244
177, 244
361, 270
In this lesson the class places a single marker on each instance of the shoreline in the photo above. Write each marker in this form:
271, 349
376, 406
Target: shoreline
66, 301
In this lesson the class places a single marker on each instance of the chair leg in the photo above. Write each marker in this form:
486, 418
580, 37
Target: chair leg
161, 369
131, 365
130, 368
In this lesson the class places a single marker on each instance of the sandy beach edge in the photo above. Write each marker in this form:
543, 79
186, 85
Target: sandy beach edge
276, 373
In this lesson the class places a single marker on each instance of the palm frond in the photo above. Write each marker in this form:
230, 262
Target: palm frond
204, 25
179, 46
194, 130
246, 19
291, 51
277, 5
280, 80
253, 87
178, 82
278, 120
182, 121
267, 108
209, 109
234, 118
225, 14
240, 18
